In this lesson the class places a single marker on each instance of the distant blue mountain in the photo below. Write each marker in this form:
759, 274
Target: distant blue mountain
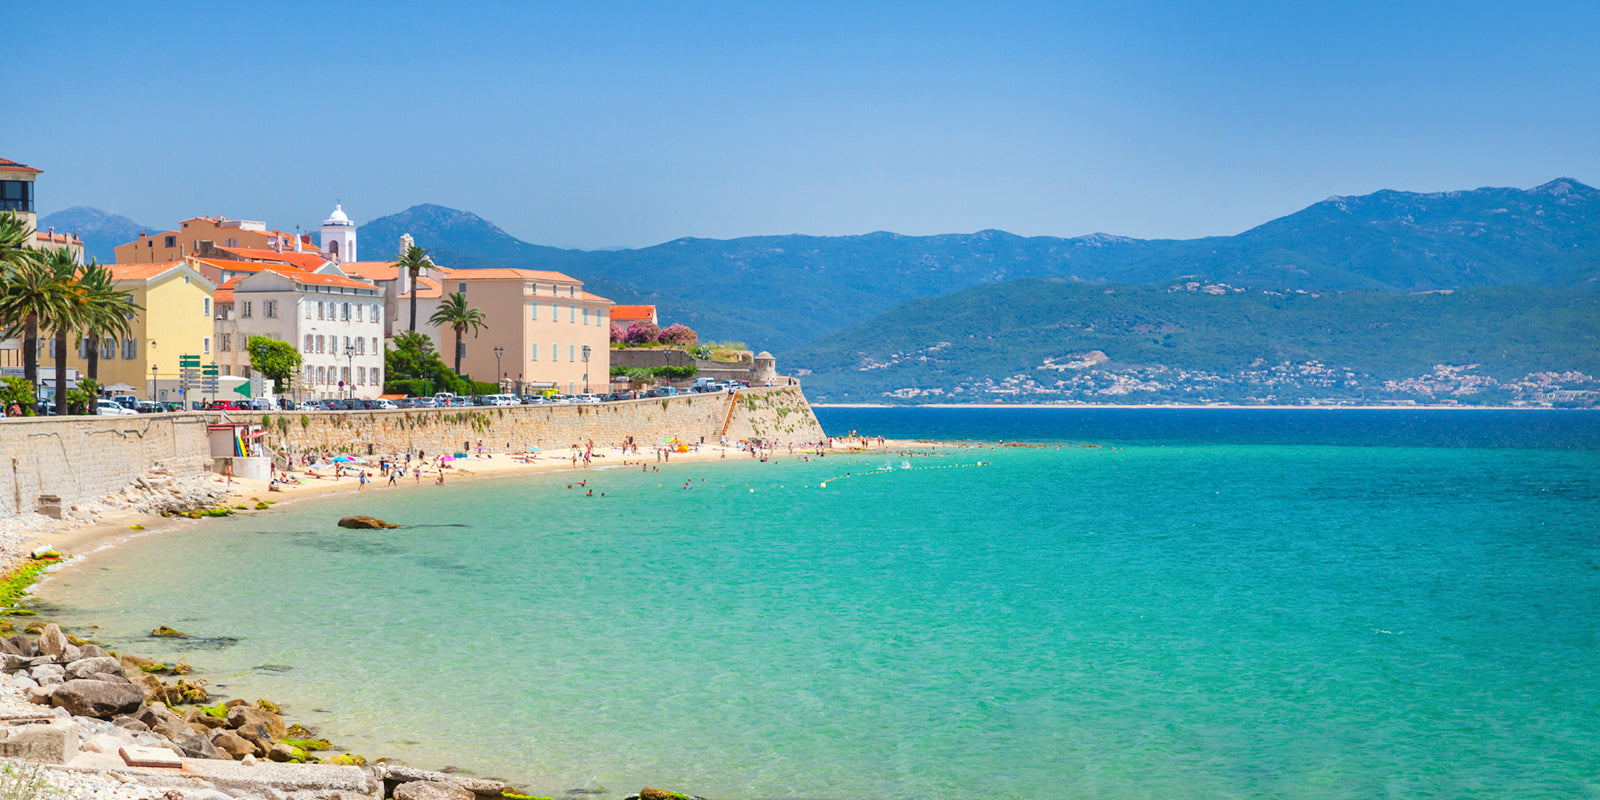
778, 292
100, 232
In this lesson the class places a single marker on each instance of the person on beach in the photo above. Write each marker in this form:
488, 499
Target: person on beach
362, 476
440, 480
395, 474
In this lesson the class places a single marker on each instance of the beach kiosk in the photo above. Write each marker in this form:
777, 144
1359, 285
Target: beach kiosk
236, 450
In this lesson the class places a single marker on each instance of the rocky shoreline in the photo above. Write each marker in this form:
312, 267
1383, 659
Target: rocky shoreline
102, 724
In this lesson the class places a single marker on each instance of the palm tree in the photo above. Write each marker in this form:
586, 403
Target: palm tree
15, 257
14, 236
31, 295
415, 261
68, 314
458, 316
109, 313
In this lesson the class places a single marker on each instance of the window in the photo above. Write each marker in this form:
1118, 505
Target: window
311, 373
130, 349
207, 310
586, 316
16, 196
358, 314
535, 308
346, 345
375, 349
320, 344
572, 291
308, 309
376, 380
555, 352
108, 348
310, 343
572, 313
533, 347
322, 374
224, 342
572, 352
555, 313
361, 375
572, 387
600, 317
171, 241
462, 287
344, 375
52, 347
321, 313
205, 345
271, 309
361, 345
245, 309
227, 370
373, 314
346, 316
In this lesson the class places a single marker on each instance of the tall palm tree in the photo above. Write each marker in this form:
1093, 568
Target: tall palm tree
16, 256
414, 260
30, 296
110, 313
64, 314
14, 236
458, 316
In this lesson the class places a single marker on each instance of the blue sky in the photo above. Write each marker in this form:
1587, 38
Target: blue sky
600, 124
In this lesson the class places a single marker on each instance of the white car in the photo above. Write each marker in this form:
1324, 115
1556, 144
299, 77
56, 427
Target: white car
115, 409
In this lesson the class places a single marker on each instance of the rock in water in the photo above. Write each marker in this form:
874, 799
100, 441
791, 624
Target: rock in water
52, 642
244, 716
432, 790
91, 698
91, 667
365, 522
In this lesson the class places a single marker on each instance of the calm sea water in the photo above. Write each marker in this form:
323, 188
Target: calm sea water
1223, 604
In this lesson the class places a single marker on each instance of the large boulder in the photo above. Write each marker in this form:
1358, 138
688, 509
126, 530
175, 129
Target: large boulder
432, 790
94, 668
52, 642
48, 674
92, 698
197, 746
240, 717
150, 684
233, 744
399, 774
364, 522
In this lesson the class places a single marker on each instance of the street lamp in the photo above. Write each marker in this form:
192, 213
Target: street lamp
152, 382
586, 369
350, 370
499, 377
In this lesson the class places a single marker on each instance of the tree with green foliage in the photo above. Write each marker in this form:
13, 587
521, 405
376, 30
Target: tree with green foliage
455, 314
414, 261
28, 293
66, 314
14, 390
412, 361
275, 359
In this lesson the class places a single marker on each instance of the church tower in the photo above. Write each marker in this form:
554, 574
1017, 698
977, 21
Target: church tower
338, 236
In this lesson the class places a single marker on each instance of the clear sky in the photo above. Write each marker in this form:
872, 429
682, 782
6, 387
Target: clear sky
596, 124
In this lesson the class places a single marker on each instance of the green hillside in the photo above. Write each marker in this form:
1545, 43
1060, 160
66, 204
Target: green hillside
1043, 340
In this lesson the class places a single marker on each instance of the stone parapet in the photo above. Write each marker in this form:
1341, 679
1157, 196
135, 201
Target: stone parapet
77, 459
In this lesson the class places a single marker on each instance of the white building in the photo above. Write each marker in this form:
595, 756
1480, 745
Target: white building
339, 236
335, 321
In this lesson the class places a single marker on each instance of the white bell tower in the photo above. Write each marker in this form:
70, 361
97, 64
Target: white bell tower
339, 236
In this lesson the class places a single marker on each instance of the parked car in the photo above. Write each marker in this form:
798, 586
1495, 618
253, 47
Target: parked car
148, 407
381, 404
427, 402
172, 405
498, 400
125, 400
406, 402
112, 408
588, 398
228, 405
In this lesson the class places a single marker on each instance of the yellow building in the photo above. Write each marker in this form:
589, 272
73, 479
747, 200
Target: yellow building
177, 320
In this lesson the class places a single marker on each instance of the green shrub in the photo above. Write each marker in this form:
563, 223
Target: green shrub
414, 387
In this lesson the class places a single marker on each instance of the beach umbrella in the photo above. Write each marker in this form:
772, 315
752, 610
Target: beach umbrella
447, 458
341, 459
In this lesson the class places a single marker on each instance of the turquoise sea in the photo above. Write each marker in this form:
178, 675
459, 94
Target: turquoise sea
1153, 604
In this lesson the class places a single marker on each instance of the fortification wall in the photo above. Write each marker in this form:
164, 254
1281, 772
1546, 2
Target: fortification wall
86, 458
779, 414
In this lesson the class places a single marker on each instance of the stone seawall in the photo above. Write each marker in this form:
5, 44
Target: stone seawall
79, 459
779, 414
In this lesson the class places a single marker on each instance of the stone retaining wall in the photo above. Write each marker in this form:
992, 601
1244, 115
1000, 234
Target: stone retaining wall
779, 414
86, 458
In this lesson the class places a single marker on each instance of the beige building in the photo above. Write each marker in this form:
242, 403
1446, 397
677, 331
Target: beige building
335, 322
550, 331
396, 288
197, 235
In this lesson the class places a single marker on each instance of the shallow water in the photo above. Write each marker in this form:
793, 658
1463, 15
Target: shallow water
1184, 616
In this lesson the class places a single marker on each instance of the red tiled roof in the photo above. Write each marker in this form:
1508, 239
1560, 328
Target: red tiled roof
318, 279
633, 312
8, 164
305, 261
52, 236
222, 297
244, 266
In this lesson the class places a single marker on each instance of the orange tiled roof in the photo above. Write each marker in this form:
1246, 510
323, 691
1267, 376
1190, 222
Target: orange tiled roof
371, 270
140, 272
594, 297
633, 312
8, 164
506, 273
318, 279
243, 266
305, 261
52, 236
430, 289
222, 297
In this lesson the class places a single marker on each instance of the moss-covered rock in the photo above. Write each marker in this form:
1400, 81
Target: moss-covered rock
165, 632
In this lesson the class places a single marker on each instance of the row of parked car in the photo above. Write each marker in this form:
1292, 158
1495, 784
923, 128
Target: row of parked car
128, 404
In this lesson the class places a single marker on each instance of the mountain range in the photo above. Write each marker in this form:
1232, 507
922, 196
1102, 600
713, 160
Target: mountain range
100, 232
790, 293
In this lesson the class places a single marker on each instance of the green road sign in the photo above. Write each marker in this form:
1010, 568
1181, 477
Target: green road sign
209, 370
188, 361
243, 388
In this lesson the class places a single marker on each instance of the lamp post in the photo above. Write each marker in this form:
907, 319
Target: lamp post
586, 369
152, 370
350, 371
499, 377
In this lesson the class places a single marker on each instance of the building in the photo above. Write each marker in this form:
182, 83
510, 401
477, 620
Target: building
194, 235
17, 197
549, 332
396, 288
336, 323
626, 315
339, 236
176, 321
